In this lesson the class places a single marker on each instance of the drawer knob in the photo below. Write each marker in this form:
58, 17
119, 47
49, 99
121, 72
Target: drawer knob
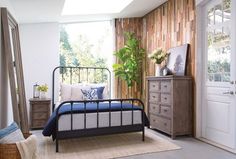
153, 107
165, 124
165, 110
154, 120
165, 98
165, 86
153, 86
153, 96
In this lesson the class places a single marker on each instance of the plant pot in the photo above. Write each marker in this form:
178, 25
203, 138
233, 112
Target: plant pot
43, 95
158, 70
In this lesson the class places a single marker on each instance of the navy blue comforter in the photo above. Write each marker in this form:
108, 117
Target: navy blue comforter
50, 127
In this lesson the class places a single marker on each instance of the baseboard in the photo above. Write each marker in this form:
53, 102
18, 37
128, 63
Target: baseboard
217, 145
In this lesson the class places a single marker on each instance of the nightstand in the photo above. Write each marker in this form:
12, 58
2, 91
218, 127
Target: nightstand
39, 112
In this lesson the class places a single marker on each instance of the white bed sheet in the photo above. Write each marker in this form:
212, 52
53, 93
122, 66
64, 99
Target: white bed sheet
64, 122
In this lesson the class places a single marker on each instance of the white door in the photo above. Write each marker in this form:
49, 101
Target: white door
219, 99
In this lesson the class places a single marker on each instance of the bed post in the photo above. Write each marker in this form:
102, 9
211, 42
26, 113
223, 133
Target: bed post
53, 88
57, 145
56, 135
143, 120
143, 132
143, 135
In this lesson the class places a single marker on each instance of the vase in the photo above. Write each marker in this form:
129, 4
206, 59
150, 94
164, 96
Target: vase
158, 70
43, 95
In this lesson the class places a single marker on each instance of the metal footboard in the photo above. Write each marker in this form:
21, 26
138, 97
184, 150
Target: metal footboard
72, 133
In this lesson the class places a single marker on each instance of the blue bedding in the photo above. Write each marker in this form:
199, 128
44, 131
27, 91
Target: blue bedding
50, 127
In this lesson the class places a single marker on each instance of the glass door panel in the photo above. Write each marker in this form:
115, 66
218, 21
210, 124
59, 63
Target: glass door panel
218, 49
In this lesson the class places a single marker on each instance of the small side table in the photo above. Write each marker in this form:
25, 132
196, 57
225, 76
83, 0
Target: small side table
39, 112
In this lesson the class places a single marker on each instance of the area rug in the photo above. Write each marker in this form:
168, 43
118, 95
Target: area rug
103, 147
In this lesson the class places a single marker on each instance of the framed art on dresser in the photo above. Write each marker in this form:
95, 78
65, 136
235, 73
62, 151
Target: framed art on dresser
177, 60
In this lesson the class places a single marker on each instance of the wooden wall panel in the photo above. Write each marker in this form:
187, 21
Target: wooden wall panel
169, 25
127, 25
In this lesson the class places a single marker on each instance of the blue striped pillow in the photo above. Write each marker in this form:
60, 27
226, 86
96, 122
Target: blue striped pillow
11, 134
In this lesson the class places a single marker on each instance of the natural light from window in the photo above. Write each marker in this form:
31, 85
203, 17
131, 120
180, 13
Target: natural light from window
87, 44
87, 7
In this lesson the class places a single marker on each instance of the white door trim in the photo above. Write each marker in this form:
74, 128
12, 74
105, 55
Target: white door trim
199, 65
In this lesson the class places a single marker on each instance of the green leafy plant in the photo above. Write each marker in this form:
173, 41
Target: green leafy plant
130, 57
43, 88
158, 56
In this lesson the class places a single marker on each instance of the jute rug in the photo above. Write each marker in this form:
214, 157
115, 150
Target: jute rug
103, 147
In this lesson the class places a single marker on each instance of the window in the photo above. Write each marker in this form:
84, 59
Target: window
218, 36
87, 44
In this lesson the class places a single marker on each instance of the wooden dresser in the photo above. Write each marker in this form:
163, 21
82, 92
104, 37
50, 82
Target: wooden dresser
170, 104
39, 112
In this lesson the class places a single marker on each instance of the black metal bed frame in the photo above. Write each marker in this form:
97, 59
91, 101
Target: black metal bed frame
98, 130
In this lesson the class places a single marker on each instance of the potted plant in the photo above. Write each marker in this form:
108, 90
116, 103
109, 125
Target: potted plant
43, 90
130, 57
158, 56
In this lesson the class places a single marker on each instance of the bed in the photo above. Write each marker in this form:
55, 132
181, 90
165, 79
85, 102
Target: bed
76, 117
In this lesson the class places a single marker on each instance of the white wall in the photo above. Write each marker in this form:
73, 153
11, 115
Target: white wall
40, 54
7, 4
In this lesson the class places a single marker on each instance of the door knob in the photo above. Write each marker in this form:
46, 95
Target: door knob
229, 92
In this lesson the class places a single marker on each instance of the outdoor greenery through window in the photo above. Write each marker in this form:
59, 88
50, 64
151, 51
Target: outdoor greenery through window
86, 44
219, 49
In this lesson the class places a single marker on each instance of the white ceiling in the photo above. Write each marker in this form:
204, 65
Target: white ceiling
38, 11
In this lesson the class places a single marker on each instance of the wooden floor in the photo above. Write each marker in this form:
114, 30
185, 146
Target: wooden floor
191, 149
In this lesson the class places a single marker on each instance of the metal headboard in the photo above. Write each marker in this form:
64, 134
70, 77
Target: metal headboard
73, 75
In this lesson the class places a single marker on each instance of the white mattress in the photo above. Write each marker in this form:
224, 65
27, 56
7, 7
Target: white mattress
64, 122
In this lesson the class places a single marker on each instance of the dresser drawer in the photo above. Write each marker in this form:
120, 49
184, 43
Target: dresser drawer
40, 115
166, 99
165, 86
160, 123
40, 108
154, 86
154, 97
38, 123
165, 111
154, 108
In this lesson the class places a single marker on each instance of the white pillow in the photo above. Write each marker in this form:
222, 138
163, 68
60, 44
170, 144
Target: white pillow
76, 93
73, 92
65, 92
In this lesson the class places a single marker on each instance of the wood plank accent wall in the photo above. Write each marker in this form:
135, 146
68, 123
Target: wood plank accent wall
169, 25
